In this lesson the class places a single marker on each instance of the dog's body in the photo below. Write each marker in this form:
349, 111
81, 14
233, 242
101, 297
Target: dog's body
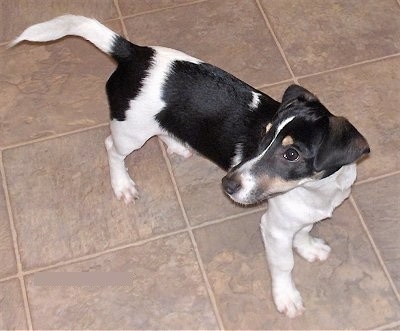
267, 147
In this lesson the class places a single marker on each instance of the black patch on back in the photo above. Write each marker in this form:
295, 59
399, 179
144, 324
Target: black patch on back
127, 80
208, 108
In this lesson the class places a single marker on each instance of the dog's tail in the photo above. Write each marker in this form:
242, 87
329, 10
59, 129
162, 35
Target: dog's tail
102, 37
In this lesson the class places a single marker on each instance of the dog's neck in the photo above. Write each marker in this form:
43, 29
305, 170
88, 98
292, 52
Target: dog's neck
314, 200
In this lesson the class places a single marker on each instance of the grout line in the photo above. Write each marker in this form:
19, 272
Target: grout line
390, 326
121, 17
105, 252
124, 30
349, 66
375, 248
373, 179
275, 84
162, 9
15, 245
278, 44
193, 240
55, 136
227, 218
4, 279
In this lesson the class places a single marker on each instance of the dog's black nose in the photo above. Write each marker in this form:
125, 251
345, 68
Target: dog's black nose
230, 185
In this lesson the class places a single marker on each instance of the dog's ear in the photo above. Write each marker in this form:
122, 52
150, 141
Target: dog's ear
296, 92
342, 144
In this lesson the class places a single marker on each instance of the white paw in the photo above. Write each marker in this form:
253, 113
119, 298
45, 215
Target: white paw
124, 188
314, 250
181, 151
288, 301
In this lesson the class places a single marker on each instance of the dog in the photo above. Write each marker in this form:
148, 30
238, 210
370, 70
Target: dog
294, 153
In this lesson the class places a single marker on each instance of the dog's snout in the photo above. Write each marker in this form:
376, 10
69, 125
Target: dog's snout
230, 185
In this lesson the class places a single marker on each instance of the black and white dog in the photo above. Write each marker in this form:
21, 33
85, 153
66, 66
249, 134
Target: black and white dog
296, 147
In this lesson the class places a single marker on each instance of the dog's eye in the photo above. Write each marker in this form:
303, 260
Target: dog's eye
291, 154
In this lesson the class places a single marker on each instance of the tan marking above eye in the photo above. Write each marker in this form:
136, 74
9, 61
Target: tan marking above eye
268, 127
288, 140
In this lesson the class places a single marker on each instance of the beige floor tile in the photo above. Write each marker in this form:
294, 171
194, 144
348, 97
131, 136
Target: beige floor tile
368, 95
17, 15
8, 265
349, 290
63, 203
12, 313
228, 33
276, 91
52, 88
379, 203
129, 7
167, 292
316, 35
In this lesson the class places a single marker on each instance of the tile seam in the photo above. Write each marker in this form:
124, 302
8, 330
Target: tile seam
275, 38
348, 66
6, 278
227, 218
162, 9
124, 30
206, 281
375, 248
14, 236
55, 136
130, 245
290, 80
376, 178
389, 326
104, 252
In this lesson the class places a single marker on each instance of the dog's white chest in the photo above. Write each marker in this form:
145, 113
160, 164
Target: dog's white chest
315, 200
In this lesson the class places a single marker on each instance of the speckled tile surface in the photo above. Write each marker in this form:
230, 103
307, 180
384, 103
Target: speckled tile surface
317, 36
52, 88
350, 285
166, 292
129, 7
70, 204
230, 34
382, 219
8, 264
17, 15
12, 315
204, 268
368, 96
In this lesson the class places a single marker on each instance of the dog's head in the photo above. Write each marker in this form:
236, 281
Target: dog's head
304, 142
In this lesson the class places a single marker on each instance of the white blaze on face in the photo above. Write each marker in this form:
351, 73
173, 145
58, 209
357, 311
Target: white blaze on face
248, 182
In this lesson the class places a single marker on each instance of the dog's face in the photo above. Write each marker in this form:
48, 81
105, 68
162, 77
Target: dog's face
304, 142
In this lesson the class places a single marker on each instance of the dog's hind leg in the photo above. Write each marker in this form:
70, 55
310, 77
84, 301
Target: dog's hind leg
124, 139
123, 186
174, 146
310, 248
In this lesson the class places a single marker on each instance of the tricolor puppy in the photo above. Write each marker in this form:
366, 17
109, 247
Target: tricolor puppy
296, 147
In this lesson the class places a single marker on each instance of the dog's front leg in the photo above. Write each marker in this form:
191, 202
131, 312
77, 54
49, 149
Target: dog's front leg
278, 239
310, 248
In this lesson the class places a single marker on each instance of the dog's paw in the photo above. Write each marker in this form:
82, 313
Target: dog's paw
288, 301
125, 189
314, 250
180, 150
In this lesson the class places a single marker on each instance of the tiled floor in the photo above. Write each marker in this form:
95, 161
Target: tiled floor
197, 260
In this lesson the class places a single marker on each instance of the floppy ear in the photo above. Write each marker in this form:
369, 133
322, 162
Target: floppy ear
294, 92
341, 145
